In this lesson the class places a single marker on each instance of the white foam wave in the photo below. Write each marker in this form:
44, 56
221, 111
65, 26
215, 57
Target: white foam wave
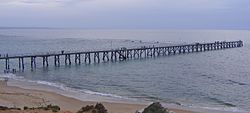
63, 87
22, 79
103, 94
59, 86
11, 76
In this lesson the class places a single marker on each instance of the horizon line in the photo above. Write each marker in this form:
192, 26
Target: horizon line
4, 27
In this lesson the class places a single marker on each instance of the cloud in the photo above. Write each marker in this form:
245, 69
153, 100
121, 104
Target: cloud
41, 2
125, 13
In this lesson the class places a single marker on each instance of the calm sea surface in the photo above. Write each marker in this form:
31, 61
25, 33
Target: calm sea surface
219, 79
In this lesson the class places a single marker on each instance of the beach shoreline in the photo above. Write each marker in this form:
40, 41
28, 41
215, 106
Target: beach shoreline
20, 94
13, 96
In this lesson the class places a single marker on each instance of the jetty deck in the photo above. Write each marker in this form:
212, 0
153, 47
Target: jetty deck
121, 54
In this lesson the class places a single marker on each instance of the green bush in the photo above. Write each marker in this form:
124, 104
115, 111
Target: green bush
155, 108
98, 108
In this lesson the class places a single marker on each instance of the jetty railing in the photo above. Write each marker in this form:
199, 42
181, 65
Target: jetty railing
114, 54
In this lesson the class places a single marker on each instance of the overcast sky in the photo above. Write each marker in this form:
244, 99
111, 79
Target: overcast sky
111, 14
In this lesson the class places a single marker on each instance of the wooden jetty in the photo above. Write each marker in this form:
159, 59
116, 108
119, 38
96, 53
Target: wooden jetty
115, 55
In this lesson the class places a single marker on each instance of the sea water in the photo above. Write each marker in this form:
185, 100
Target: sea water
215, 79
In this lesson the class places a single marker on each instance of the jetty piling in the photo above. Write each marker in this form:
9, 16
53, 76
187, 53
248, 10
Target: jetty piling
116, 55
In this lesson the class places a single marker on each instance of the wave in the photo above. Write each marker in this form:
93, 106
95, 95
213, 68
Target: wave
225, 81
63, 87
103, 94
60, 86
22, 79
227, 109
221, 102
11, 76
57, 85
235, 82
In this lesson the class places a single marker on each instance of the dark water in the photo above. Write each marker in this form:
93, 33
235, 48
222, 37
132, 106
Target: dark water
219, 79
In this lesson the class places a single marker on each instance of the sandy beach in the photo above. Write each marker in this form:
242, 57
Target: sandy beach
12, 96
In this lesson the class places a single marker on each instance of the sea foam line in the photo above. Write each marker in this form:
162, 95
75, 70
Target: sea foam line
59, 86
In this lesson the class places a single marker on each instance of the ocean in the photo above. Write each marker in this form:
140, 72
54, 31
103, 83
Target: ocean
212, 80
